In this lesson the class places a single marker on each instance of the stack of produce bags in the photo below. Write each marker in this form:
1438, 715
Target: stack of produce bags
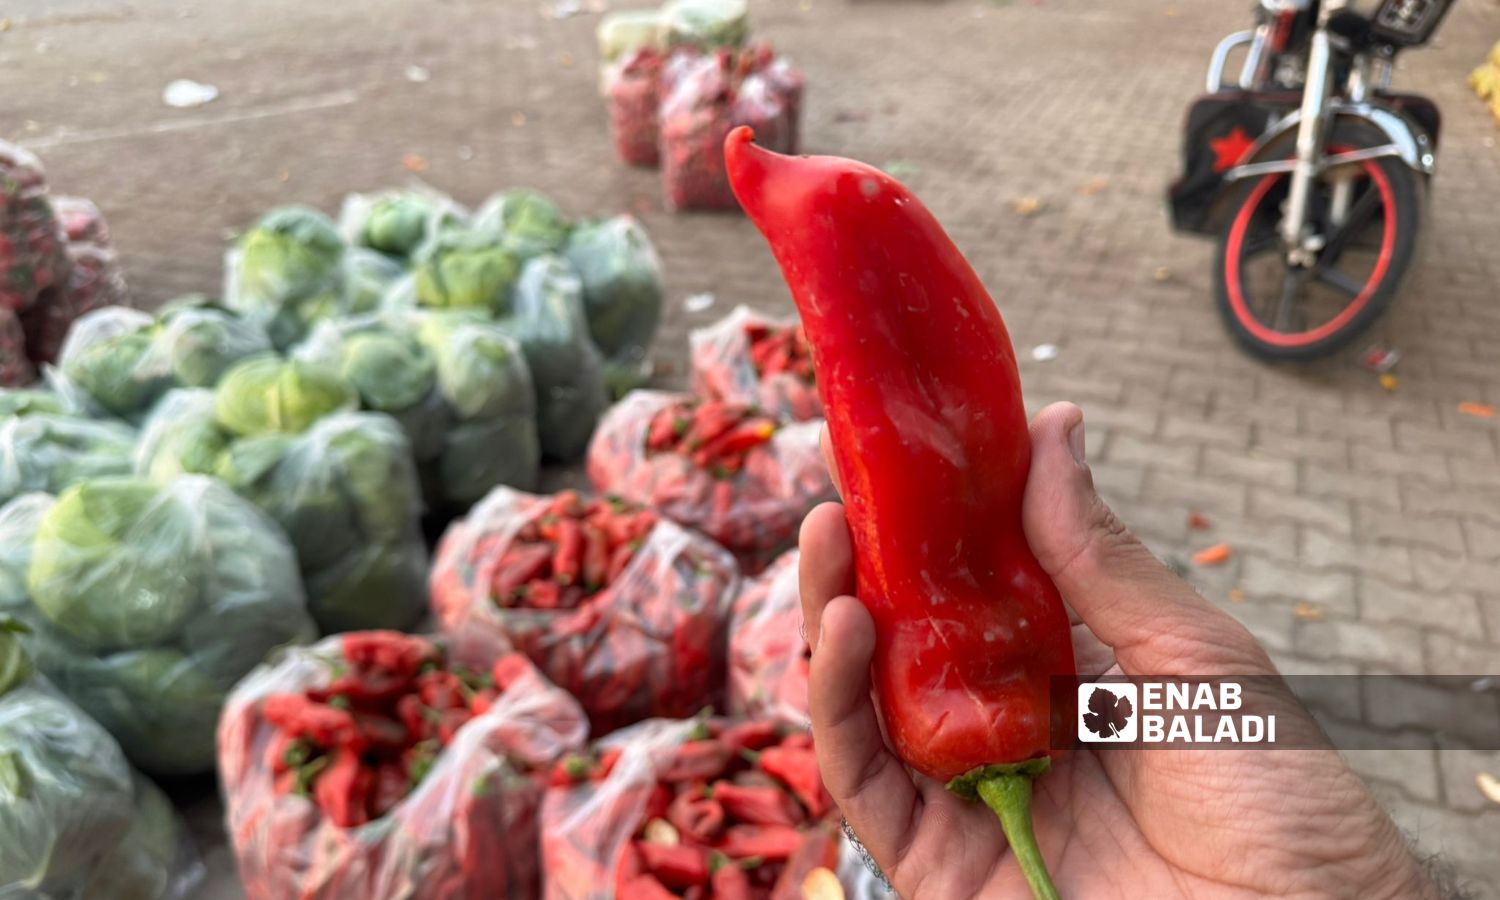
56, 263
750, 358
679, 79
75, 820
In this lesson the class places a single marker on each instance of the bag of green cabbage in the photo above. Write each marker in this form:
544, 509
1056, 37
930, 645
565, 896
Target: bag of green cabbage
394, 223
622, 295
75, 822
32, 244
123, 360
147, 604
45, 448
457, 384
377, 765
341, 484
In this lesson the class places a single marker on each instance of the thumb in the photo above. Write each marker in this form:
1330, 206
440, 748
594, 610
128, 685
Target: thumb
1152, 619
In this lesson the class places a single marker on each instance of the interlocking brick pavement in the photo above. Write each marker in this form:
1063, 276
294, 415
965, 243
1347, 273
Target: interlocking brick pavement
1381, 510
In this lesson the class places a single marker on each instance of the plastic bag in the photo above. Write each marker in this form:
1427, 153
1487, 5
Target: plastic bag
528, 223
547, 318
94, 281
666, 809
81, 221
697, 114
345, 492
32, 244
464, 268
705, 24
622, 609
125, 359
51, 452
623, 32
285, 273
147, 604
15, 365
396, 222
747, 486
750, 358
368, 275
789, 84
467, 829
632, 86
26, 401
622, 294
457, 384
768, 656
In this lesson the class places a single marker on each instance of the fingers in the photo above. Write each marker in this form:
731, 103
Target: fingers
825, 568
1153, 620
872, 787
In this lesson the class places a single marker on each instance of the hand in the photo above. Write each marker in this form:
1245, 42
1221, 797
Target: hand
1123, 821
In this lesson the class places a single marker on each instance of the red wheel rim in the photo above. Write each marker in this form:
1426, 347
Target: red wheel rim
1233, 275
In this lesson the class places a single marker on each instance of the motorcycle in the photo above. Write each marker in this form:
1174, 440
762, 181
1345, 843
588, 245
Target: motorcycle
1309, 171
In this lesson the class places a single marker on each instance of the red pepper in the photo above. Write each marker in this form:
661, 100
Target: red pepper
770, 843
730, 882
400, 653
643, 887
342, 791
757, 805
797, 768
695, 816
918, 376
751, 735
676, 865
697, 761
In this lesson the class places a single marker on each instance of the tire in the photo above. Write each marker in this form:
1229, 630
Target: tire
1400, 189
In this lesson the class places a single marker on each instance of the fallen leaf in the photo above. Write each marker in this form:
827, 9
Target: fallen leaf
1216, 555
1477, 410
1089, 188
414, 162
822, 884
1307, 611
1388, 381
518, 119
1162, 273
97, 77
1198, 521
1028, 206
1171, 12
285, 176
4, 25
1236, 595
565, 58
1489, 786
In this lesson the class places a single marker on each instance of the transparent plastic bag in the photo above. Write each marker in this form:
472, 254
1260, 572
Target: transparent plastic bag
147, 604
81, 221
468, 829
368, 276
677, 784
760, 106
547, 318
457, 384
622, 294
623, 32
754, 510
460, 268
51, 452
285, 273
396, 222
632, 632
705, 24
527, 223
33, 257
768, 656
125, 359
697, 114
751, 358
15, 365
94, 282
632, 87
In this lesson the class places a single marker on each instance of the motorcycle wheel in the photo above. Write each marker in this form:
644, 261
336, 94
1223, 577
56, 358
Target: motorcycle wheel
1279, 311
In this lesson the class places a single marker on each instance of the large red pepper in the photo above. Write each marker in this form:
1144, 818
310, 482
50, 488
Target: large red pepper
930, 439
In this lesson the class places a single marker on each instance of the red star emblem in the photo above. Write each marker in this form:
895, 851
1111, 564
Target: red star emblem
1230, 149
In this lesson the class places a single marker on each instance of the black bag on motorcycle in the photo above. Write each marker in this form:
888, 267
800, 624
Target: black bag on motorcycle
1220, 129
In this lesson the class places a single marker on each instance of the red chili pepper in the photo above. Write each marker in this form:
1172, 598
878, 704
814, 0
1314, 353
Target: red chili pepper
757, 805
342, 790
399, 653
509, 669
771, 843
677, 866
324, 725
697, 761
643, 887
919, 377
595, 557
751, 735
797, 768
729, 882
567, 562
696, 816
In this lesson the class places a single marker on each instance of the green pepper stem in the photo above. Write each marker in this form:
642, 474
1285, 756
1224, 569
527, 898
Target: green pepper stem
1007, 790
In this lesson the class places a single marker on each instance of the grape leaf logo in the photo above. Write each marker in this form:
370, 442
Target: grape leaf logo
1108, 714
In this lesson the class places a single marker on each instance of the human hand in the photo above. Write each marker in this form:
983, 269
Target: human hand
1121, 821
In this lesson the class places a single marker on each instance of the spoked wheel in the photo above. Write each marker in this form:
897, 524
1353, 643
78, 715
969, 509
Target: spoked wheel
1364, 212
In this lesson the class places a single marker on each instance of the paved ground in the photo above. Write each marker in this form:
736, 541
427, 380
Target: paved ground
1379, 512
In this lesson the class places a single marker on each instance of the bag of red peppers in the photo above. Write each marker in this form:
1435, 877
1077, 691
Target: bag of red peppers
703, 97
747, 357
617, 605
633, 87
706, 809
768, 656
382, 765
726, 469
32, 258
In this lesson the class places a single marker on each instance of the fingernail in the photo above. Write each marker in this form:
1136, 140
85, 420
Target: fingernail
1075, 443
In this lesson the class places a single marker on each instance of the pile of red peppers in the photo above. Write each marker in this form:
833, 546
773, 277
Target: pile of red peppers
737, 811
930, 440
748, 358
